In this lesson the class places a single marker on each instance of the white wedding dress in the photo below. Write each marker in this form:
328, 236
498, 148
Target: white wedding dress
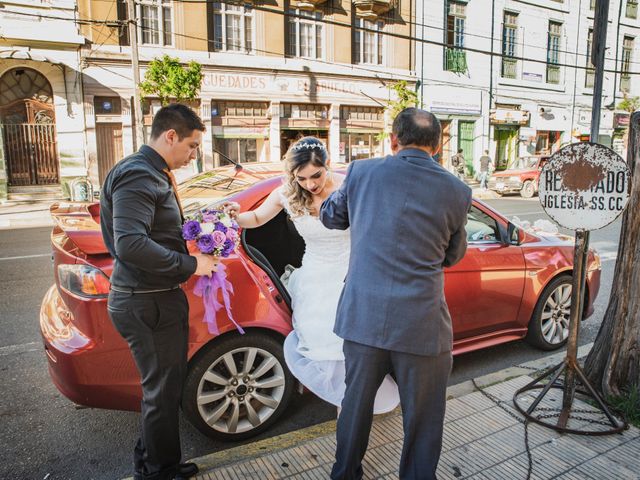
312, 351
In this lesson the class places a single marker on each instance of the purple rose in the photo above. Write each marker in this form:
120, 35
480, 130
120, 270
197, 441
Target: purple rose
209, 216
191, 230
232, 234
234, 225
220, 227
205, 243
218, 238
228, 248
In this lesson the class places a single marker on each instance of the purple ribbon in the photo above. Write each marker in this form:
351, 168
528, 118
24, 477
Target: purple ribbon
207, 288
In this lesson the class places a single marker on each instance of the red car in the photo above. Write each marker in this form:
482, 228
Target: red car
510, 285
521, 177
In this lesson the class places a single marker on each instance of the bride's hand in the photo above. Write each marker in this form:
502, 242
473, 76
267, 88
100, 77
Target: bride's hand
232, 209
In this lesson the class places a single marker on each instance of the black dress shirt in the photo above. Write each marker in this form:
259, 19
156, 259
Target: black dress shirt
142, 226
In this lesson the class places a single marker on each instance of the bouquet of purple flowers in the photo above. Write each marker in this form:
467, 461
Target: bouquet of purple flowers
213, 232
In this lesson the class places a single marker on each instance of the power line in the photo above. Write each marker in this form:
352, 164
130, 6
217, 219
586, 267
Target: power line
118, 23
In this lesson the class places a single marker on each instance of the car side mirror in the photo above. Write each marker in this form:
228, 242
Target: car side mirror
513, 234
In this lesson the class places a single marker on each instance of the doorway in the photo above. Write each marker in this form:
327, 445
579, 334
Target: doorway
506, 146
290, 136
28, 125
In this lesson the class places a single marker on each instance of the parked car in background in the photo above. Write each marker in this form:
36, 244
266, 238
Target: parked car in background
521, 177
511, 284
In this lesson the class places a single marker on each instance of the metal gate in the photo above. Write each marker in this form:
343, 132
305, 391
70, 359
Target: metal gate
109, 143
31, 154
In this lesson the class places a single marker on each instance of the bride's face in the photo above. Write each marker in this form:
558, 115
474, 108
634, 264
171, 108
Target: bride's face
312, 178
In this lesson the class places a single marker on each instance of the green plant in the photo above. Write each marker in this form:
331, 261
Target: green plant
629, 405
629, 104
405, 98
167, 79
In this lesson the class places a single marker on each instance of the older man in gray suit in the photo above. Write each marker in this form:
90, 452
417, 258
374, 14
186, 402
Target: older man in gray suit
407, 216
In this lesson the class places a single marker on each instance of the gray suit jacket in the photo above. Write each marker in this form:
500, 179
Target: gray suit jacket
407, 216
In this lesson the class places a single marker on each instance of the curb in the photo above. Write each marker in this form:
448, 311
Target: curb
286, 440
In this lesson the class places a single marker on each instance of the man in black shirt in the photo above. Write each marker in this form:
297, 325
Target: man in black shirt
141, 221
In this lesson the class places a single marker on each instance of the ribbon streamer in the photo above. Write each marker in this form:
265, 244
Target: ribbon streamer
207, 288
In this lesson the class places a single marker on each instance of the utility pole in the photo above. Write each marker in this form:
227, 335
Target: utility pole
137, 104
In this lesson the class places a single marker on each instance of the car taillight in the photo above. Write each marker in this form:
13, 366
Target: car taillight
83, 280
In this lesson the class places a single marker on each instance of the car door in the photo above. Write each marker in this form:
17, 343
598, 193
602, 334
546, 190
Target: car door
484, 290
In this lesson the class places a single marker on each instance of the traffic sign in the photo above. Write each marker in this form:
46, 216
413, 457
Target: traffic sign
584, 186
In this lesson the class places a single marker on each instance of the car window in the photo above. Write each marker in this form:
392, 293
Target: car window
481, 228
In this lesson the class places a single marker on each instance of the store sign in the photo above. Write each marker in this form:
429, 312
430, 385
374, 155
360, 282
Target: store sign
584, 186
215, 82
501, 116
532, 77
441, 100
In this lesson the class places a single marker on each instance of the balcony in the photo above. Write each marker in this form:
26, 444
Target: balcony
509, 68
373, 9
553, 74
308, 4
455, 60
625, 83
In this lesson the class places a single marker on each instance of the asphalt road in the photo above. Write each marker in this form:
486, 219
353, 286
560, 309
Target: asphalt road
44, 436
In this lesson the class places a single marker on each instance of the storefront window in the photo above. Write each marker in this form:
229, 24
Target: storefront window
547, 142
362, 113
242, 150
357, 146
238, 109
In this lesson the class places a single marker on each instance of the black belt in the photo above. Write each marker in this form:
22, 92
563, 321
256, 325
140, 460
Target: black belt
135, 290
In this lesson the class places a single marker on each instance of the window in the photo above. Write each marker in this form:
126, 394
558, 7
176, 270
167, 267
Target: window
367, 45
306, 34
481, 228
627, 53
155, 22
455, 57
509, 41
592, 5
239, 109
362, 113
589, 74
553, 52
241, 150
232, 28
632, 9
304, 110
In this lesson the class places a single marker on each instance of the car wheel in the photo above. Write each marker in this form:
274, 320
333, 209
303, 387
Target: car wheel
237, 387
549, 325
528, 189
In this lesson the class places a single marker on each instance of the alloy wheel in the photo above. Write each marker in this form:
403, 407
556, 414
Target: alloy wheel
240, 390
555, 315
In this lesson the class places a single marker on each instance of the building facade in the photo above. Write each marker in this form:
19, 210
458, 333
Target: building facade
273, 72
41, 115
514, 76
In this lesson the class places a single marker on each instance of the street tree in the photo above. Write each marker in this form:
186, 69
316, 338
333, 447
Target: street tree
629, 104
613, 365
167, 80
403, 97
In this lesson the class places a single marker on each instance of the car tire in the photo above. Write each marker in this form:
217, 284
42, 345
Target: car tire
528, 189
227, 400
549, 326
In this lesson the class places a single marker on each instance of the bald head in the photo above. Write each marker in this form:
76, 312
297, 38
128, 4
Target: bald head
418, 128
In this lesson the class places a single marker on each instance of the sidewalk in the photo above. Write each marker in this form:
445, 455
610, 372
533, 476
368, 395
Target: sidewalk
25, 214
482, 440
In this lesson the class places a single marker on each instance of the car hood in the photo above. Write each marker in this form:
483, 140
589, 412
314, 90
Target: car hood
508, 173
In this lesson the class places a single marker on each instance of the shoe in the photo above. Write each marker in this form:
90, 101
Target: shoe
185, 471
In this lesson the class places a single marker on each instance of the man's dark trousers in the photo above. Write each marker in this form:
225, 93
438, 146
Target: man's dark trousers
422, 383
155, 325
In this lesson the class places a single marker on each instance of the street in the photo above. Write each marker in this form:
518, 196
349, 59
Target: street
44, 436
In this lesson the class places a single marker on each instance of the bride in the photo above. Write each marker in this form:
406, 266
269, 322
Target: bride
312, 351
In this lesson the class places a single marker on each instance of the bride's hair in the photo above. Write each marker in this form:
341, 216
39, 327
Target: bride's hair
307, 150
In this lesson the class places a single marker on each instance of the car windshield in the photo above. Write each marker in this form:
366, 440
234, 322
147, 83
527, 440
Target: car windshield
524, 163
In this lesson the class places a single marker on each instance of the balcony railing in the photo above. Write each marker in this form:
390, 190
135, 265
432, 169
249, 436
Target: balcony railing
553, 74
625, 83
509, 68
455, 60
590, 78
632, 9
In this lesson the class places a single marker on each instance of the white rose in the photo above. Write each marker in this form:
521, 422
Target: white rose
226, 221
207, 227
